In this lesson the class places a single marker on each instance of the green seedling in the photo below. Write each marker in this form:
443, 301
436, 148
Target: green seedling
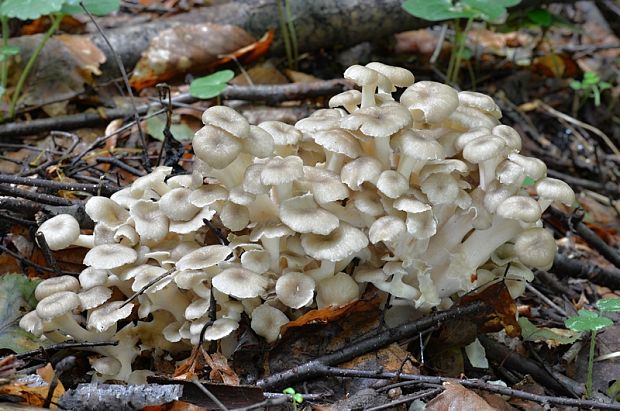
590, 86
34, 9
490, 11
588, 321
296, 397
210, 86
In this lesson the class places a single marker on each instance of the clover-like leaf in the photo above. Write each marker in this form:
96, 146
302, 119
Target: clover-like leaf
210, 86
608, 304
94, 7
29, 9
528, 181
436, 10
587, 321
155, 127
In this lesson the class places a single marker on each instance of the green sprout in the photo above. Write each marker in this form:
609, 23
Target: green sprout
295, 396
591, 321
489, 11
590, 86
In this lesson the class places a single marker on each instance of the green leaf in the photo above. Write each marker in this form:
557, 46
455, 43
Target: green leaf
575, 85
603, 85
210, 86
590, 78
490, 10
436, 10
289, 391
608, 304
9, 50
540, 17
94, 7
298, 398
155, 127
528, 181
16, 299
614, 390
587, 321
551, 336
29, 9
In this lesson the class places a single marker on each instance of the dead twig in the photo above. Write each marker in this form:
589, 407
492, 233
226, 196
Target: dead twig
315, 367
95, 189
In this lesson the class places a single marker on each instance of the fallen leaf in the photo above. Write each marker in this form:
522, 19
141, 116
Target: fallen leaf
88, 56
220, 370
504, 315
553, 337
187, 48
555, 65
16, 299
33, 390
329, 314
457, 397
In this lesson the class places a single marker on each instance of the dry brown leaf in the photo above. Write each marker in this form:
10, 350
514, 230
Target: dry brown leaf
504, 315
89, 56
456, 397
33, 393
390, 358
187, 48
220, 370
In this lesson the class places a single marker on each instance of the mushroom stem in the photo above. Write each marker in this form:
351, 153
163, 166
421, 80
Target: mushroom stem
326, 270
283, 192
383, 150
67, 325
272, 246
334, 161
368, 95
408, 165
86, 241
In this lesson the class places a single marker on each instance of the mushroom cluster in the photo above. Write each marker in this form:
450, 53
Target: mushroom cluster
424, 198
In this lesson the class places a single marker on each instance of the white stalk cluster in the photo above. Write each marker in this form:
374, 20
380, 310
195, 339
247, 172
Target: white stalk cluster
424, 198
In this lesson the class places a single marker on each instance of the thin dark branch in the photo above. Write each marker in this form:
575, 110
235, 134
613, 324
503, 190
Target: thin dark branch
209, 394
381, 339
270, 93
323, 370
117, 162
32, 264
63, 346
147, 286
95, 189
565, 266
36, 197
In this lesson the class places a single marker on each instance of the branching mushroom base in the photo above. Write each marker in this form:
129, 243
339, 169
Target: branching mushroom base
426, 195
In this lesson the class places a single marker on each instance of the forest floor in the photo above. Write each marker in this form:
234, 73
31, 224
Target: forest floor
78, 132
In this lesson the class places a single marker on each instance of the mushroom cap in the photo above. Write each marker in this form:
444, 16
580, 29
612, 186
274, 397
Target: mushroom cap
204, 257
255, 260
94, 297
338, 290
338, 245
483, 148
60, 231
556, 190
441, 188
421, 222
338, 141
207, 195
270, 229
32, 323
536, 247
323, 119
520, 208
259, 143
150, 222
295, 289
466, 118
280, 170
216, 147
325, 185
55, 285
480, 102
227, 119
91, 277
103, 210
240, 283
235, 217
361, 75
533, 167
346, 98
392, 184
360, 170
398, 76
197, 308
283, 134
415, 146
153, 181
378, 121
220, 329
175, 205
107, 256
303, 215
106, 316
465, 138
510, 136
430, 102
387, 228
266, 322
56, 305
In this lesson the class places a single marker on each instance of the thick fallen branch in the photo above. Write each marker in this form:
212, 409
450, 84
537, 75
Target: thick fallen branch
564, 266
267, 93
